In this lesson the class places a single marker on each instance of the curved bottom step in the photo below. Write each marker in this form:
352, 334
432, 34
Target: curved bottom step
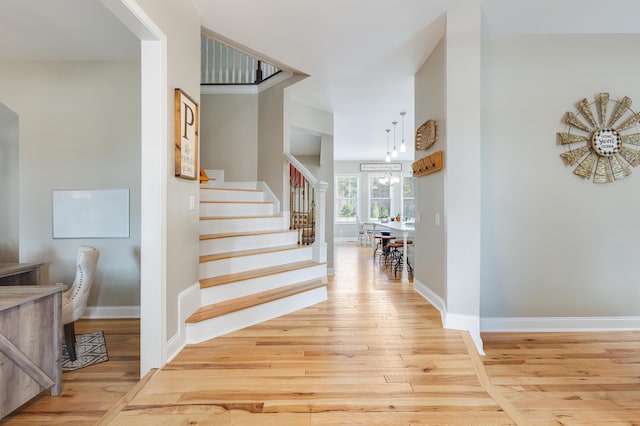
231, 315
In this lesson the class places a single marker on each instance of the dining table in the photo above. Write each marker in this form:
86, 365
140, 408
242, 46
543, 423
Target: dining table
404, 228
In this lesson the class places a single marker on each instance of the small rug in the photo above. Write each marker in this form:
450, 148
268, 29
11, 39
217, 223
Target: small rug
90, 350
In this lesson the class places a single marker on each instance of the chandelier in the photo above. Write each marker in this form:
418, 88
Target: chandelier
389, 179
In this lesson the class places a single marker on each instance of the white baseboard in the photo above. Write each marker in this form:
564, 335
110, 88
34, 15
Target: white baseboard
470, 323
339, 240
450, 320
110, 312
558, 324
430, 296
188, 303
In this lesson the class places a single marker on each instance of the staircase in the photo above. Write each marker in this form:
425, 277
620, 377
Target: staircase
251, 267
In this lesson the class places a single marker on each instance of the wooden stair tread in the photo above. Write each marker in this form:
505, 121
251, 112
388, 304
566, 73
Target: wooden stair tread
232, 189
255, 273
243, 234
240, 303
241, 253
238, 217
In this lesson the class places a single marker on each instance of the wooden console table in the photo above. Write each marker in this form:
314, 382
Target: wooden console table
20, 273
30, 343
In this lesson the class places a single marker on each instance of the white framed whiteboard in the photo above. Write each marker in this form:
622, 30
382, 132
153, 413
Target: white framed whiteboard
94, 213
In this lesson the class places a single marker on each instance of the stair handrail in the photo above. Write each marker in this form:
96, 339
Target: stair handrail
305, 172
319, 247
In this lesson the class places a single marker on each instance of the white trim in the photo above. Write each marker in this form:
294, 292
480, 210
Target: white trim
331, 271
340, 240
451, 321
106, 312
559, 324
430, 296
189, 300
269, 196
468, 323
175, 345
228, 89
153, 182
244, 89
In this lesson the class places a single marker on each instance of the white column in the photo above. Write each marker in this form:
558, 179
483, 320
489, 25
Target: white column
319, 248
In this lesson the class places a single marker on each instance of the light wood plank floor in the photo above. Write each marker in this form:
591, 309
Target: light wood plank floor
89, 393
373, 354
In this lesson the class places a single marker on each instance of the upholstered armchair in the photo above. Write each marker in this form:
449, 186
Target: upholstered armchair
74, 299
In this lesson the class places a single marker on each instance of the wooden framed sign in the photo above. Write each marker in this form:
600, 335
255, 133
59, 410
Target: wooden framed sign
187, 116
379, 167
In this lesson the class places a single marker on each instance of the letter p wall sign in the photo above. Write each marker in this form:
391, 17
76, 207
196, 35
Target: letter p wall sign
187, 115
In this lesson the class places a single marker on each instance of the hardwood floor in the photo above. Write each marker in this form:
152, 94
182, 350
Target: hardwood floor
89, 393
373, 354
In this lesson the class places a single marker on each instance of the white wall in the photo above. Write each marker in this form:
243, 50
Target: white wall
179, 22
9, 147
79, 129
229, 135
553, 244
430, 237
273, 134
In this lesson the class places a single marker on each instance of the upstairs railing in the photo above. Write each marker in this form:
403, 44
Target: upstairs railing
307, 201
222, 64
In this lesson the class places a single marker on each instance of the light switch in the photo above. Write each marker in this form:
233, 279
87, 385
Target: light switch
437, 219
192, 202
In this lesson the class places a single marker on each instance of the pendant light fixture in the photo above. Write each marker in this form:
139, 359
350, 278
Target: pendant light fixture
394, 154
388, 157
403, 146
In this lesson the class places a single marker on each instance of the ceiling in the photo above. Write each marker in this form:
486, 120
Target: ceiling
360, 55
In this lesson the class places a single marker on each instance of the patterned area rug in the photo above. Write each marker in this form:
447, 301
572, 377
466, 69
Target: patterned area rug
90, 349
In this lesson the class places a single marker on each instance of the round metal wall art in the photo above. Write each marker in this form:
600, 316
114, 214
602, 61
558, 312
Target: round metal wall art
602, 140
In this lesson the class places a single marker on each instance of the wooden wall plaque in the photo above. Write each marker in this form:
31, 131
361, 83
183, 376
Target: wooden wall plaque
426, 135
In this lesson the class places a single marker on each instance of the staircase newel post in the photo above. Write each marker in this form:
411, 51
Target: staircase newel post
319, 248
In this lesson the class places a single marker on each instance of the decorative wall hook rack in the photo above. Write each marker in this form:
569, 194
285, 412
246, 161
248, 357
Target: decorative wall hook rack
427, 165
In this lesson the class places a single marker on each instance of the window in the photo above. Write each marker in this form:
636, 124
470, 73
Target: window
408, 198
379, 198
347, 190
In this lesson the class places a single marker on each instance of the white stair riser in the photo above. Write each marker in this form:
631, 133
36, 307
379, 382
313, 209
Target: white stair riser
234, 265
230, 195
214, 327
236, 209
219, 293
247, 242
230, 185
221, 226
